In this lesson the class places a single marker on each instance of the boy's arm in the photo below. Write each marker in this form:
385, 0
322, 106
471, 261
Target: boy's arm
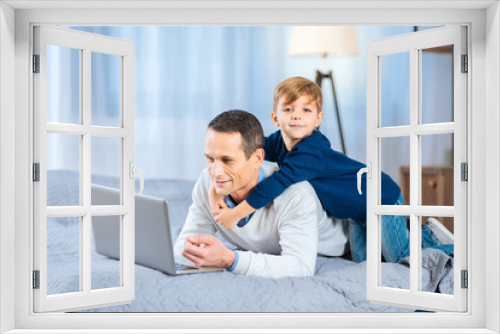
216, 202
298, 166
270, 146
229, 218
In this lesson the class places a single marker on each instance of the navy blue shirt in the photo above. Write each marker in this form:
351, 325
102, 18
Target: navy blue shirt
332, 174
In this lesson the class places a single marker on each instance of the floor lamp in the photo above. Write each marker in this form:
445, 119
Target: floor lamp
324, 42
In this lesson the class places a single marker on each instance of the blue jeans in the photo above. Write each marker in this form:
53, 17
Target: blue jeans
395, 238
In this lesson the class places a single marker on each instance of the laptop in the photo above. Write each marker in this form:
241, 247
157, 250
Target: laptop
154, 247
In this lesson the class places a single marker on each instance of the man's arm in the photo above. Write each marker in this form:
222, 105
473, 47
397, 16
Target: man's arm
297, 223
199, 220
298, 238
208, 251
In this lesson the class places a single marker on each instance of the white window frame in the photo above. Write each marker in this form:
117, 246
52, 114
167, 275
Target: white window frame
413, 44
86, 44
483, 124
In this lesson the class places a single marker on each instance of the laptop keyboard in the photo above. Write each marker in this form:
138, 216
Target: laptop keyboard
179, 266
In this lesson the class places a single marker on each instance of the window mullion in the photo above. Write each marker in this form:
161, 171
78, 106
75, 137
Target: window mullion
434, 129
86, 119
127, 226
418, 134
85, 236
414, 169
80, 130
422, 210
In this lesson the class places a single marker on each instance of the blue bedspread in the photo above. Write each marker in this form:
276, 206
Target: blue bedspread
339, 285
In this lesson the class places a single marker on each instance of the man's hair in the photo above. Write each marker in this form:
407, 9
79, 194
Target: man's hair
244, 123
295, 87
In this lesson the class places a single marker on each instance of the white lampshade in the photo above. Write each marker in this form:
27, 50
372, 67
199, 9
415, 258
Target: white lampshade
323, 41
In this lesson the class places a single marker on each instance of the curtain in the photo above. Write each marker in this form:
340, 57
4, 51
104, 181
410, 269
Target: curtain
185, 76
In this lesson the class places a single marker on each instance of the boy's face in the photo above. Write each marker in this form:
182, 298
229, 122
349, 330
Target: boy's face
296, 120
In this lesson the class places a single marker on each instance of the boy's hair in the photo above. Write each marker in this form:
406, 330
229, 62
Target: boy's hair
246, 124
295, 87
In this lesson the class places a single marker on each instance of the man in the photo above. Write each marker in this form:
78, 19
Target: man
281, 239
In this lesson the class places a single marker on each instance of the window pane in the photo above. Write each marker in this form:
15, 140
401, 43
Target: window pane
105, 252
437, 240
395, 89
63, 255
395, 162
106, 89
437, 170
106, 167
395, 245
63, 170
63, 85
437, 84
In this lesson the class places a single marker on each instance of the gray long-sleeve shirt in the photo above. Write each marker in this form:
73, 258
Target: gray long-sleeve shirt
281, 239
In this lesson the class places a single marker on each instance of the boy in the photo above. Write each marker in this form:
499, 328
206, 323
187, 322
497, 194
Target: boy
304, 154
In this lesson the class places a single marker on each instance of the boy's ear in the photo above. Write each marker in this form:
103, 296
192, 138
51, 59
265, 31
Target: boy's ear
274, 117
319, 119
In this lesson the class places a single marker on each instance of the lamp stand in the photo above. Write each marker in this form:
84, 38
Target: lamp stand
319, 80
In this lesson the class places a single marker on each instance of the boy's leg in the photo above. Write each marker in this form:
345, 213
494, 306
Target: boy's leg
430, 240
395, 239
357, 240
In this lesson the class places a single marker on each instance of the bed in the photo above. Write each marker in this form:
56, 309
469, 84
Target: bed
339, 285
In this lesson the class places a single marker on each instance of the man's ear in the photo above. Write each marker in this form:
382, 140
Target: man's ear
259, 157
319, 119
274, 117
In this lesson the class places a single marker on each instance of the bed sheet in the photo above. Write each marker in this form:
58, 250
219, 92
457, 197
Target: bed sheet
339, 285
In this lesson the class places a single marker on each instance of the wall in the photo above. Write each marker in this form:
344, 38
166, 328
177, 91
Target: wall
492, 146
282, 16
7, 189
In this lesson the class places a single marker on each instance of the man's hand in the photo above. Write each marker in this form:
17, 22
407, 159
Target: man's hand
208, 251
227, 218
216, 202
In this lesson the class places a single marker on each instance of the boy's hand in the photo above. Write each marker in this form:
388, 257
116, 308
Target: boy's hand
227, 218
219, 206
215, 200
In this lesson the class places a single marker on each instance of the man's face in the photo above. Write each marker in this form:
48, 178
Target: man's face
232, 173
